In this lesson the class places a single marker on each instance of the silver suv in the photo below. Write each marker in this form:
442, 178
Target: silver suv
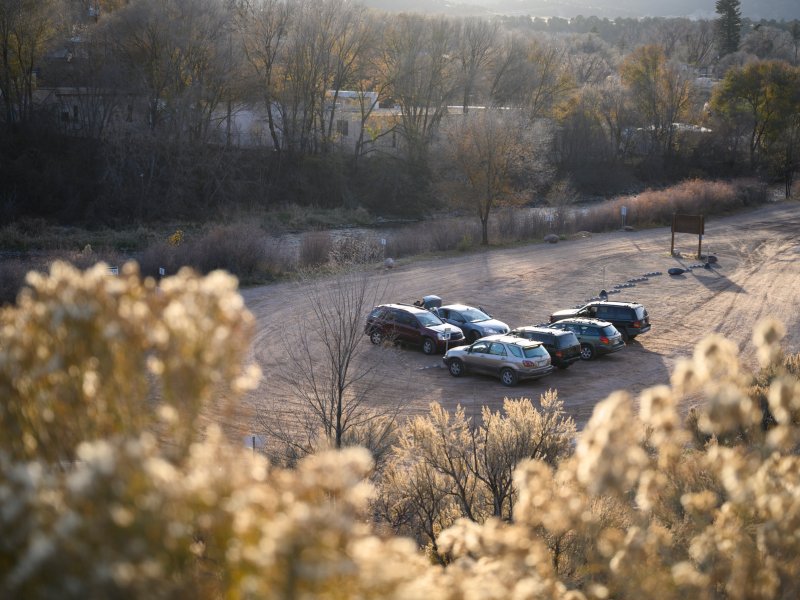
509, 358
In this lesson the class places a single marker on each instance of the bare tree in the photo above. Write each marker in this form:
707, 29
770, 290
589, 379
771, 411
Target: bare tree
659, 91
420, 74
445, 467
697, 42
591, 60
322, 396
489, 158
531, 74
505, 440
26, 27
477, 41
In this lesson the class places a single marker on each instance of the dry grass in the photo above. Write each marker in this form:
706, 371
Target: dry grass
246, 251
315, 249
243, 250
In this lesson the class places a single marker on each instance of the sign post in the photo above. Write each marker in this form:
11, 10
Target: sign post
688, 224
624, 211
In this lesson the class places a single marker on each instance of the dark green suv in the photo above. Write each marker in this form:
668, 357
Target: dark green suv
596, 337
630, 318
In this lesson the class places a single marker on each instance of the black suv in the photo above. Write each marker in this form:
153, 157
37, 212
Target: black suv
630, 319
563, 346
409, 324
596, 337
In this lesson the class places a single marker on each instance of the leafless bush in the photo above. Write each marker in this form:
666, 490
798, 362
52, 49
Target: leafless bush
350, 250
506, 225
447, 234
406, 241
243, 250
315, 248
656, 207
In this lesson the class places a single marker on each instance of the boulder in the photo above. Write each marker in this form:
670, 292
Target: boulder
551, 238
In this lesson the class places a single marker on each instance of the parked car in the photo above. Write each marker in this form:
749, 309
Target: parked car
405, 323
509, 358
630, 318
474, 322
563, 346
596, 337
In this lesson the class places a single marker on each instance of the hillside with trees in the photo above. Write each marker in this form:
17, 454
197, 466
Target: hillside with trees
146, 111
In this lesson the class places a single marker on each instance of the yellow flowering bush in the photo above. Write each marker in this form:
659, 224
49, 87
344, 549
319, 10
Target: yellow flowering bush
108, 488
84, 356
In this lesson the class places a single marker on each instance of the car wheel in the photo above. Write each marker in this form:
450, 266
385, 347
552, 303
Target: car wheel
587, 352
474, 336
376, 337
508, 377
456, 367
428, 345
625, 337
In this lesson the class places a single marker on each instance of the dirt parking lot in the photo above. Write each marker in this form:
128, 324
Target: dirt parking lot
757, 275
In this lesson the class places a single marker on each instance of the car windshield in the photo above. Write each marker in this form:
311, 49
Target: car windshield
473, 315
535, 352
429, 319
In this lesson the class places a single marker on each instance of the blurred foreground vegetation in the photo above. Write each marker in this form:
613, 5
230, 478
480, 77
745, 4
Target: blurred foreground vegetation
110, 486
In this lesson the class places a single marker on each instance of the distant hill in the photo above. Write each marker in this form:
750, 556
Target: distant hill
754, 9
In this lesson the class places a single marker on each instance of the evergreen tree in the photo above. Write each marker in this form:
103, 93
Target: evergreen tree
729, 25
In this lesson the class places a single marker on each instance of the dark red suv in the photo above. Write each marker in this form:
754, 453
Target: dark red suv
405, 323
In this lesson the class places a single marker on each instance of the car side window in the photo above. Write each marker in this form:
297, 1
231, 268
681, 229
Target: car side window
497, 349
444, 313
456, 316
480, 348
515, 350
406, 319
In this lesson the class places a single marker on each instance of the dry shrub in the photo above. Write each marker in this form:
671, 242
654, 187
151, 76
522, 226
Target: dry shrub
243, 250
315, 249
449, 234
656, 207
350, 250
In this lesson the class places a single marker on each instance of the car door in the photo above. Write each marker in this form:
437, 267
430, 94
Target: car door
477, 357
495, 358
456, 318
408, 328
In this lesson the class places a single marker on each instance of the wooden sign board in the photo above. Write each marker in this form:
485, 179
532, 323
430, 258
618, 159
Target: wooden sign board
688, 224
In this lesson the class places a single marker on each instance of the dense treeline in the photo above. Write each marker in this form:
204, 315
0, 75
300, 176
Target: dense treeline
116, 111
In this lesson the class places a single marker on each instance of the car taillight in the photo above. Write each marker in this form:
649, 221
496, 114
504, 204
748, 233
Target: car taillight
636, 324
559, 354
604, 339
